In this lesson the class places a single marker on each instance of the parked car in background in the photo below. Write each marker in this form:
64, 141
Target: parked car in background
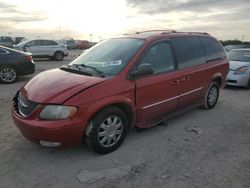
70, 43
14, 63
239, 71
6, 41
235, 46
17, 40
41, 48
83, 44
133, 81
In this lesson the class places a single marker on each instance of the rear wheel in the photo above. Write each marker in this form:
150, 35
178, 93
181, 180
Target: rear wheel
58, 56
8, 74
211, 96
248, 85
107, 130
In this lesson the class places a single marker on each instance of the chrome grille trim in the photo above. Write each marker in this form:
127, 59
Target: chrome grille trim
23, 106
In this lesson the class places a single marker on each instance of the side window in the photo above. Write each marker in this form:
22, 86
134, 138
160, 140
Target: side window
32, 43
49, 43
160, 57
189, 51
212, 48
35, 43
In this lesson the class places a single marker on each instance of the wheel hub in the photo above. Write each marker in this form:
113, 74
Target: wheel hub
110, 131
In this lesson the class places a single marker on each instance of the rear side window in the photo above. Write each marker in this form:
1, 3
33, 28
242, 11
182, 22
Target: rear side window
213, 49
189, 51
48, 43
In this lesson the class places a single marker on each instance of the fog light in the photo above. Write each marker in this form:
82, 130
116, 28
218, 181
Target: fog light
49, 144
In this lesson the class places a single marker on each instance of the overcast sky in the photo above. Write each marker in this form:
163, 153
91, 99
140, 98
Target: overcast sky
225, 19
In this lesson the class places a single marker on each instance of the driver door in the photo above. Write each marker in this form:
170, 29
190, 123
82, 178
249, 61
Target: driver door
157, 94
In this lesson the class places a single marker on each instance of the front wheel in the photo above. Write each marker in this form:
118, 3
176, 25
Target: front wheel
58, 56
8, 74
211, 96
107, 130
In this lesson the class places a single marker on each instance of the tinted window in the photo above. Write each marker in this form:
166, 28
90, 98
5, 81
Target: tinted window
35, 43
213, 49
189, 51
48, 42
160, 57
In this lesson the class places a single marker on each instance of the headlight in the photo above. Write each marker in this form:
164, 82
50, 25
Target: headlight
241, 70
56, 112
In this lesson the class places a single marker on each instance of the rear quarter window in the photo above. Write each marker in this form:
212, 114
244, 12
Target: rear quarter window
189, 51
213, 49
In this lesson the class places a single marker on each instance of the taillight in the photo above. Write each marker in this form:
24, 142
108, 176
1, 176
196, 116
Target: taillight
29, 58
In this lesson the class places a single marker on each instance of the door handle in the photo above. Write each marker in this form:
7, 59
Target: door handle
185, 79
175, 82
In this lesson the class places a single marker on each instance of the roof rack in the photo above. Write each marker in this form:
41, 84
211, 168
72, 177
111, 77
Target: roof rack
167, 32
163, 30
204, 33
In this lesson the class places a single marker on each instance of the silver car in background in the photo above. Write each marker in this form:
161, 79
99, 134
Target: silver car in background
239, 70
41, 48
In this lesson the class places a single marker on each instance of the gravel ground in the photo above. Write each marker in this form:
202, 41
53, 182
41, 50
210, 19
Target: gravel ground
196, 149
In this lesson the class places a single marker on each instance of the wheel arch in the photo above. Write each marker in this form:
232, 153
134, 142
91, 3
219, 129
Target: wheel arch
57, 52
218, 79
127, 106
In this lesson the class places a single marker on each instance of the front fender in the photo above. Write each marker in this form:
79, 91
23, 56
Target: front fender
109, 101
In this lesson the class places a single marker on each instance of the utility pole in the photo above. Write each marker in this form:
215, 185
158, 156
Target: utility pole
90, 35
243, 36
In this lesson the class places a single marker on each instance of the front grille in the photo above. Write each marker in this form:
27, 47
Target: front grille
23, 106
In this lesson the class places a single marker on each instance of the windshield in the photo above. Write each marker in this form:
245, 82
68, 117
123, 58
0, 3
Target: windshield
239, 55
110, 56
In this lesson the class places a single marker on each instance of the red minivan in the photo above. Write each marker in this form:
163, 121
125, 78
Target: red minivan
137, 80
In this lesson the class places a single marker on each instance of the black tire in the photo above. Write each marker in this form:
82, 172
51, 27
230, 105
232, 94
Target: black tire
212, 95
58, 56
95, 133
248, 85
8, 74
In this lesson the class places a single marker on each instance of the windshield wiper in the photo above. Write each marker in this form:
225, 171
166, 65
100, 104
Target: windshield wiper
100, 73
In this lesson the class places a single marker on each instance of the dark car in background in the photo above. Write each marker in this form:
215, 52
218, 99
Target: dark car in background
6, 41
14, 63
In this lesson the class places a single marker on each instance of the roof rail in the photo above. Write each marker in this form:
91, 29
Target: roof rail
163, 30
204, 33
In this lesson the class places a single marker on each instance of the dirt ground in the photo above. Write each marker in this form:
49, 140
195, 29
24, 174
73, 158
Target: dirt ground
196, 149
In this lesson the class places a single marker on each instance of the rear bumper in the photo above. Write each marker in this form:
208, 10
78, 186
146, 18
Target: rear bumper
26, 68
66, 132
237, 79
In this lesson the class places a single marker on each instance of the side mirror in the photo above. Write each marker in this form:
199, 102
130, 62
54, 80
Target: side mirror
143, 70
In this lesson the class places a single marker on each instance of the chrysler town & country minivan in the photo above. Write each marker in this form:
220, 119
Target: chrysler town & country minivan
136, 80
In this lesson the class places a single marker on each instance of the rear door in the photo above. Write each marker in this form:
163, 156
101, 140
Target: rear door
157, 94
192, 68
49, 47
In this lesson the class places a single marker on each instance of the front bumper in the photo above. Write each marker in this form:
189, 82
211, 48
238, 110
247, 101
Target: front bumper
237, 79
65, 132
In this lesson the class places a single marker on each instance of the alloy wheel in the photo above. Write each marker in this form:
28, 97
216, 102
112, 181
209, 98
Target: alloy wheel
110, 131
8, 75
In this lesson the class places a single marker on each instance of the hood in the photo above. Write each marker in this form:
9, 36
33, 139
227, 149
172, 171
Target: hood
56, 86
234, 65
